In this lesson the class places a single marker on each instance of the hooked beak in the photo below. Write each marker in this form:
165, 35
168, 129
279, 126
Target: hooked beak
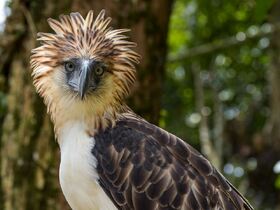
84, 81
82, 78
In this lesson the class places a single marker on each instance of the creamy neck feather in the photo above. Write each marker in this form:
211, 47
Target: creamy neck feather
94, 114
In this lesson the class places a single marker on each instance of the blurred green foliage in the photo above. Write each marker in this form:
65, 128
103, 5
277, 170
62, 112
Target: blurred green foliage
236, 72
3, 104
240, 71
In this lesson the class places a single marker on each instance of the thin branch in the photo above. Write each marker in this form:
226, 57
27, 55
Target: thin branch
218, 128
207, 147
235, 40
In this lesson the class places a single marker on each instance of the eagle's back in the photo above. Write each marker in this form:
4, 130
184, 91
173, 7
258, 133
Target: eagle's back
143, 167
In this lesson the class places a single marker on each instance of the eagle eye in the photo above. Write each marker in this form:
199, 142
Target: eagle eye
99, 70
69, 66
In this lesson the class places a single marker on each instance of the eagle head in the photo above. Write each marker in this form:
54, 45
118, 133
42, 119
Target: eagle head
84, 63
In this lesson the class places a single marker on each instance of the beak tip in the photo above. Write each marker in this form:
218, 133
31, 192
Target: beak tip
82, 95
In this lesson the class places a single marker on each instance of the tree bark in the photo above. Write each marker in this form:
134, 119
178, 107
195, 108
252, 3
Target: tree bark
29, 156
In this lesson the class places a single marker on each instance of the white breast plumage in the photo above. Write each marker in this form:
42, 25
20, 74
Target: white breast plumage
77, 174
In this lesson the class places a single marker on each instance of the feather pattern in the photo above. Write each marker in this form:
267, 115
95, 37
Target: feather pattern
139, 165
144, 167
90, 38
78, 37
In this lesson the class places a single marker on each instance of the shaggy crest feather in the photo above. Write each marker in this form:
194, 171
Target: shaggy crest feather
90, 38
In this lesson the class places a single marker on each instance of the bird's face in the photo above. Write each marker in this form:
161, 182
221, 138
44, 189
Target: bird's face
84, 62
84, 75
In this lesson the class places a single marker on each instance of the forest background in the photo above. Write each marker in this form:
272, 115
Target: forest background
209, 73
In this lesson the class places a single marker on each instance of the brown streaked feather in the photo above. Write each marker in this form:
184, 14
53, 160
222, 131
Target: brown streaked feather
89, 18
78, 37
91, 38
156, 170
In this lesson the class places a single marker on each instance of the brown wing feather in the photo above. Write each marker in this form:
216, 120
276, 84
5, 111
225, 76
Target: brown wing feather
144, 167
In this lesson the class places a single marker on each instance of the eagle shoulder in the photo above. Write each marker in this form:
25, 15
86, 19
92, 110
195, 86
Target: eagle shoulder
141, 166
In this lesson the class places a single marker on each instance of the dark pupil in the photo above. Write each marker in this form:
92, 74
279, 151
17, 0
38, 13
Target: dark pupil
70, 66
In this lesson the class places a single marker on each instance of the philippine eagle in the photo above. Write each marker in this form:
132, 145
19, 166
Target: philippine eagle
110, 157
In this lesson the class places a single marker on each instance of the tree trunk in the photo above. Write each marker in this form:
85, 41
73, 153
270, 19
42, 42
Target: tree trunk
29, 156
